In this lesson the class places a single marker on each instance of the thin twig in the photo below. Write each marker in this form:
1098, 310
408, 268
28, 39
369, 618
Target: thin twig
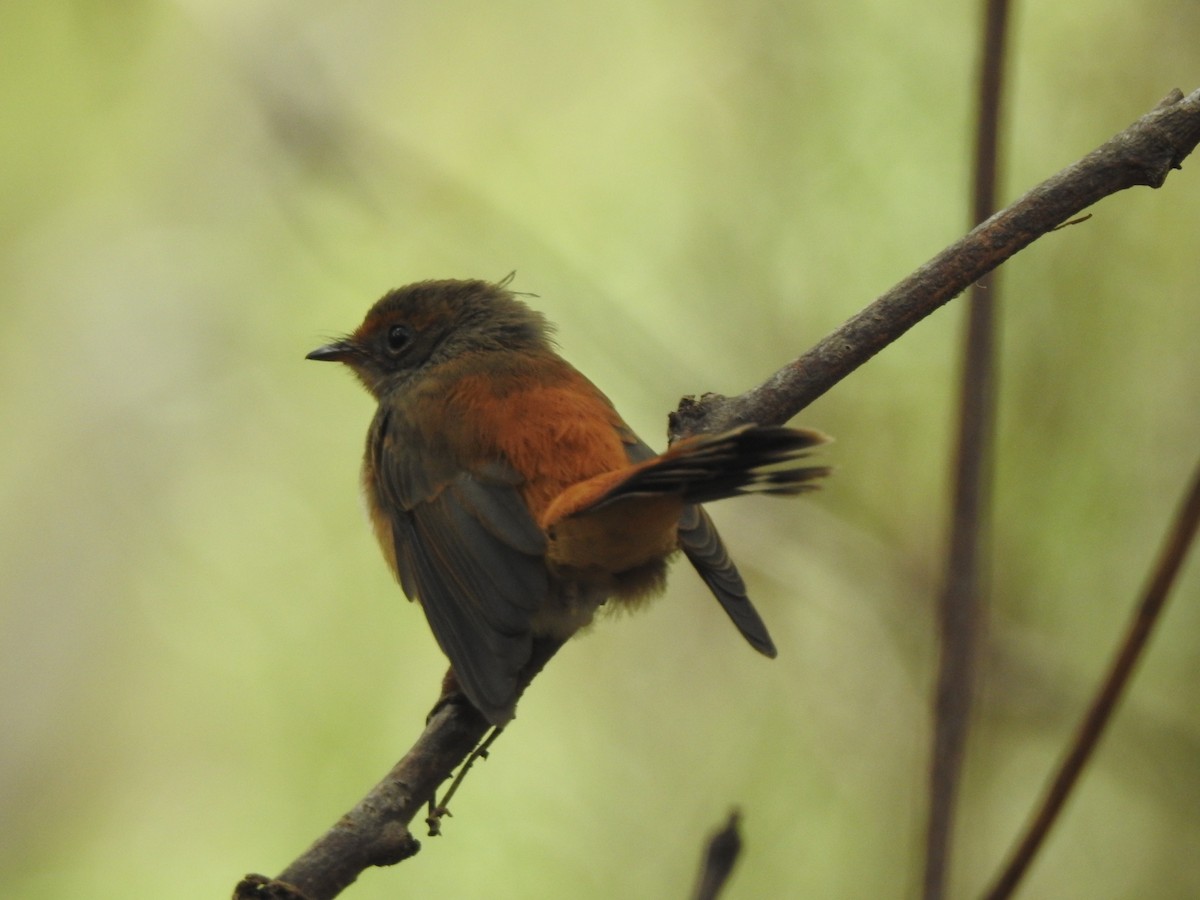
1091, 729
962, 606
720, 854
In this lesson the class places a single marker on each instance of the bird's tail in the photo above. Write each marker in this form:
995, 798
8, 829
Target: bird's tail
751, 459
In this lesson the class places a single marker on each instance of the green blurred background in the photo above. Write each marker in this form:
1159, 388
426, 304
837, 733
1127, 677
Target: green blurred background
204, 659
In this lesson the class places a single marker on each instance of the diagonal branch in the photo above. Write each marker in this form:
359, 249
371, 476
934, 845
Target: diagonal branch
375, 831
1142, 154
1146, 615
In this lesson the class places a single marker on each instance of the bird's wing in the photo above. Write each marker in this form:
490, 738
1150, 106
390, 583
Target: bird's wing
467, 547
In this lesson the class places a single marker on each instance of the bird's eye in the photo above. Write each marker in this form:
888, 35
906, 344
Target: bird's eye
398, 337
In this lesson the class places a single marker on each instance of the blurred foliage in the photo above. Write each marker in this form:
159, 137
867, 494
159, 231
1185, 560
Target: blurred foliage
204, 661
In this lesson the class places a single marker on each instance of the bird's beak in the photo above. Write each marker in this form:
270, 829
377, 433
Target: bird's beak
338, 351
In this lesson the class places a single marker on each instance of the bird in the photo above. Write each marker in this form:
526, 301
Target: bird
512, 501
